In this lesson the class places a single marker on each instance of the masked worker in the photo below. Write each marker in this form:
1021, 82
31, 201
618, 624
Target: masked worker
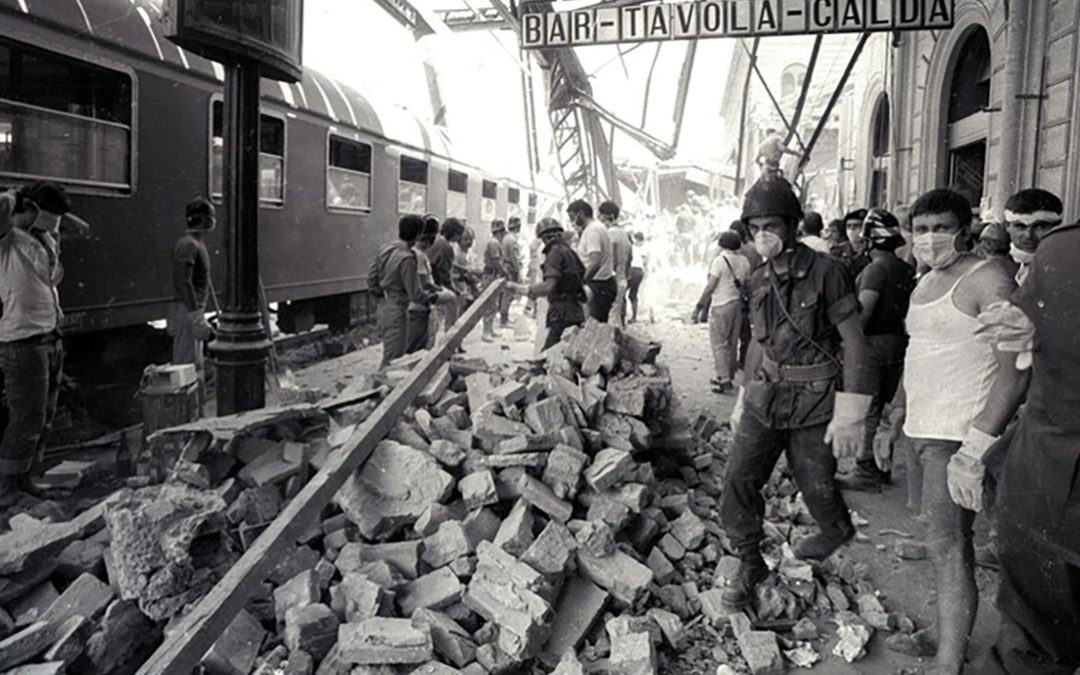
805, 389
495, 267
884, 287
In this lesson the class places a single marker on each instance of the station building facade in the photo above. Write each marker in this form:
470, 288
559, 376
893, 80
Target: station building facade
986, 107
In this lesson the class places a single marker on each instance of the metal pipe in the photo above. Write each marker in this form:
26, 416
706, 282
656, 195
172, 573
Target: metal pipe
832, 103
1008, 174
742, 115
797, 115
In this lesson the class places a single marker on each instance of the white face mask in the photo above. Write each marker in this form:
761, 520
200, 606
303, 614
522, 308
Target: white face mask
935, 249
768, 245
1020, 255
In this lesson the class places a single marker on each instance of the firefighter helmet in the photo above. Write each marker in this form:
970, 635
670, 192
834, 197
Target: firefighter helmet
548, 225
771, 197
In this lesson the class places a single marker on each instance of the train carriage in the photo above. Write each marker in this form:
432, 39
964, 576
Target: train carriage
93, 96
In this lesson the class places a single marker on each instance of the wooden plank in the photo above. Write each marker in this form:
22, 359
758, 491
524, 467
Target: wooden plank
196, 633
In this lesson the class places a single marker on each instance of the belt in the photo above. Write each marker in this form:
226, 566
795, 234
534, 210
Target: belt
39, 339
816, 372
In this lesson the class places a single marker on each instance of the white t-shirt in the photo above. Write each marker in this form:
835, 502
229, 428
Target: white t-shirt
595, 239
725, 290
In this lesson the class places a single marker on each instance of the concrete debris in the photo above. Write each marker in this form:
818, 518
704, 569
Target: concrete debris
392, 489
548, 517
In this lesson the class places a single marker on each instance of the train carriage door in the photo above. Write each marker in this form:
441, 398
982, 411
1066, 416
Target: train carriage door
489, 193
412, 186
968, 121
457, 195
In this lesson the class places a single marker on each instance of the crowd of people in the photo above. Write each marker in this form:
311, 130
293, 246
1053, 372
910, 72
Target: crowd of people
965, 335
962, 335
429, 275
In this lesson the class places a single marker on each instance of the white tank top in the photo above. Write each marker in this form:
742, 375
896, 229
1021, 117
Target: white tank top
947, 373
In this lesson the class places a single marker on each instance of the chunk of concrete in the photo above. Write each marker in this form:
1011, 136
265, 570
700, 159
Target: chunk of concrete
380, 640
392, 489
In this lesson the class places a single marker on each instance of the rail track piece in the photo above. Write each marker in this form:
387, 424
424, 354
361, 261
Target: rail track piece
185, 646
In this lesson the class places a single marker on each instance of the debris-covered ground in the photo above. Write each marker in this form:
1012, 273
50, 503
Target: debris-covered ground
521, 517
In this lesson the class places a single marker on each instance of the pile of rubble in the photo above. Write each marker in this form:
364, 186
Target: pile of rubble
549, 517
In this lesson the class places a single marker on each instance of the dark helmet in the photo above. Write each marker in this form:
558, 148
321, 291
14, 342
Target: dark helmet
548, 225
771, 197
882, 228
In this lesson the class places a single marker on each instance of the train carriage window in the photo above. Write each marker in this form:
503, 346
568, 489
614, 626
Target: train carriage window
271, 157
532, 208
412, 185
348, 175
63, 119
457, 192
489, 191
513, 198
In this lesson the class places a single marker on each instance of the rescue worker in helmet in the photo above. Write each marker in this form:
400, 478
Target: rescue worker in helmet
806, 387
884, 288
563, 281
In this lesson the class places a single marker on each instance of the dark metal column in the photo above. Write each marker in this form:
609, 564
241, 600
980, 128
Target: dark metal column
240, 348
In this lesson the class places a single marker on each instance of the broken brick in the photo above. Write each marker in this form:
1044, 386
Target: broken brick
540, 496
235, 651
515, 533
478, 489
392, 489
312, 628
446, 452
689, 530
450, 640
552, 550
625, 578
436, 590
526, 443
384, 641
446, 545
545, 417
562, 473
579, 605
608, 468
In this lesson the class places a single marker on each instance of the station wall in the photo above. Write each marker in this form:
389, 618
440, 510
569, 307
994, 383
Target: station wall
987, 124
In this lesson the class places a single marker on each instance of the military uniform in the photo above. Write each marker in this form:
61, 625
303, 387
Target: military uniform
1037, 509
789, 400
393, 275
565, 306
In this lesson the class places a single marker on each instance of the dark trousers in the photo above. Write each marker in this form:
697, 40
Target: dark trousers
1039, 599
556, 330
393, 327
31, 370
603, 297
416, 330
885, 369
756, 450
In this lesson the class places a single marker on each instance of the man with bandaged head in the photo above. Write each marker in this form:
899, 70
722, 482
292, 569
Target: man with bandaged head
1029, 215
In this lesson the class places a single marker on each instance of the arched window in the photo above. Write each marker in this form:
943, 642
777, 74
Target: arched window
879, 152
968, 122
791, 80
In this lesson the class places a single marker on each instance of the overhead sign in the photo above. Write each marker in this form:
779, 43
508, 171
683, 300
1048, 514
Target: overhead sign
728, 18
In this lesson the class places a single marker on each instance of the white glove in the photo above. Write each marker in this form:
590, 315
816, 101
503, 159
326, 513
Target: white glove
588, 293
847, 429
737, 412
966, 469
1006, 327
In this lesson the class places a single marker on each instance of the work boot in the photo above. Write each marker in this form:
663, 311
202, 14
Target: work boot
739, 592
865, 477
820, 545
10, 493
